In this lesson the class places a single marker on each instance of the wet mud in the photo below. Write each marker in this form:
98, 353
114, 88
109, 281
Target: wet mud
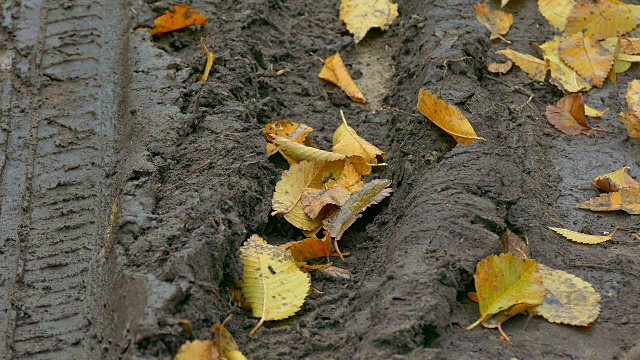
127, 187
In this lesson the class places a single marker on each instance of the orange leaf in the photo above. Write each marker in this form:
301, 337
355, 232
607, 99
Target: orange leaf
287, 129
568, 116
310, 248
615, 181
498, 22
318, 203
626, 200
334, 71
587, 56
447, 117
602, 19
501, 68
632, 122
181, 17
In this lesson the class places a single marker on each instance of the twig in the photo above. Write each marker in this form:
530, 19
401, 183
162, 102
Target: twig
316, 56
206, 163
446, 67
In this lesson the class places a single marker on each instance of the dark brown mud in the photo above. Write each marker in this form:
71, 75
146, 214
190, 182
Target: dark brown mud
128, 188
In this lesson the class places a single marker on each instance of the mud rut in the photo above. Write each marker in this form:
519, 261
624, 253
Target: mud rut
106, 233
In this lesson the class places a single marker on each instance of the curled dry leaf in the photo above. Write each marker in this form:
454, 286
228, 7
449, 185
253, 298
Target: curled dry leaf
318, 203
295, 152
630, 46
287, 129
272, 284
556, 11
569, 117
498, 22
627, 200
569, 299
631, 118
362, 15
566, 77
583, 238
500, 68
594, 113
181, 17
534, 67
633, 97
225, 344
447, 117
512, 244
615, 181
346, 141
632, 123
210, 58
336, 72
310, 248
337, 273
197, 350
587, 56
602, 19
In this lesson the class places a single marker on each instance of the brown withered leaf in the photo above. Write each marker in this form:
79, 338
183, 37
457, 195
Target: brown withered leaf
627, 200
287, 129
310, 248
181, 17
512, 244
631, 118
633, 97
632, 123
615, 181
569, 117
630, 46
499, 68
372, 193
498, 22
318, 203
587, 56
336, 72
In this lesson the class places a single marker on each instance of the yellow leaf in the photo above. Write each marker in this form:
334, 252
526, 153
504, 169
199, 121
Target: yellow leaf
310, 248
197, 350
318, 203
447, 117
534, 67
362, 15
621, 66
498, 22
556, 11
602, 19
562, 73
583, 238
633, 97
210, 58
288, 129
335, 72
594, 113
500, 68
615, 181
346, 141
628, 58
295, 152
272, 284
614, 45
627, 200
226, 345
181, 17
504, 281
588, 57
568, 116
350, 178
569, 299
632, 122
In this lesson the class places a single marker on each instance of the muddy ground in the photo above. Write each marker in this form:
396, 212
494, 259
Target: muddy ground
114, 162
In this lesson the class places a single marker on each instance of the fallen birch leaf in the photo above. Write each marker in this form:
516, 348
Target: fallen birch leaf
628, 58
583, 238
614, 45
225, 344
569, 299
627, 200
197, 350
372, 193
534, 67
319, 203
505, 281
630, 46
569, 117
272, 284
350, 178
336, 72
310, 248
632, 123
556, 12
210, 58
594, 113
295, 152
181, 17
512, 244
498, 22
499, 68
587, 56
346, 141
447, 117
633, 97
602, 19
615, 181
362, 15
287, 129
560, 72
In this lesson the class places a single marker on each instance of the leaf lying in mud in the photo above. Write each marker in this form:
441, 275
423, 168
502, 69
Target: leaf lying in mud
583, 238
534, 67
372, 193
225, 344
602, 19
498, 22
627, 200
566, 77
632, 123
346, 141
335, 72
505, 281
295, 152
319, 203
362, 15
287, 129
594, 113
197, 350
569, 299
181, 17
210, 58
512, 244
633, 97
272, 284
499, 68
631, 118
568, 116
310, 248
337, 273
556, 11
447, 117
590, 59
615, 181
